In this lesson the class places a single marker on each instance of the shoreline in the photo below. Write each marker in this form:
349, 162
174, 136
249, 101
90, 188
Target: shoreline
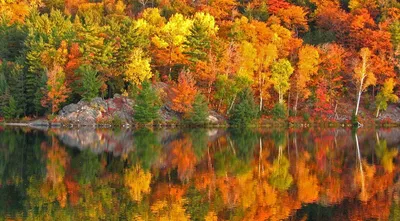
40, 123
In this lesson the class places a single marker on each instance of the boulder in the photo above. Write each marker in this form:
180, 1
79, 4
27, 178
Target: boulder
216, 118
212, 119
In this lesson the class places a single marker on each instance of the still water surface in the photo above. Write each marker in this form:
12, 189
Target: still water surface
200, 174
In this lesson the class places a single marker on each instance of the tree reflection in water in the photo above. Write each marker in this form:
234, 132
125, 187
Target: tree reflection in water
200, 174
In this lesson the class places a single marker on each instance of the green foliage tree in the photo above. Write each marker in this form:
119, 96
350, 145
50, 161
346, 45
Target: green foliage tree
12, 39
245, 111
279, 111
147, 104
91, 82
198, 43
10, 111
199, 112
15, 76
3, 89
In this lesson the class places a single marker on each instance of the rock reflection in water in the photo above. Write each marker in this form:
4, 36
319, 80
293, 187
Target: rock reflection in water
118, 142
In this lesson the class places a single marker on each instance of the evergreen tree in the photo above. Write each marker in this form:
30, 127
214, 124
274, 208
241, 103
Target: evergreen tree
12, 39
3, 81
245, 110
199, 113
147, 104
91, 82
16, 84
10, 111
198, 43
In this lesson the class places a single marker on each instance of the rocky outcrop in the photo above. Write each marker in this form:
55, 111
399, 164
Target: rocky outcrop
101, 111
97, 111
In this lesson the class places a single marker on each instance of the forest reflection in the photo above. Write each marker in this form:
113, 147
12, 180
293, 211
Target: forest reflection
199, 174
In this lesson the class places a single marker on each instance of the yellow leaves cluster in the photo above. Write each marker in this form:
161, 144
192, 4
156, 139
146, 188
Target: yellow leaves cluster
206, 21
174, 33
138, 69
362, 73
138, 182
16, 11
307, 66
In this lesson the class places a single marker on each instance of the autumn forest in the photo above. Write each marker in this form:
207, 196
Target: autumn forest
241, 59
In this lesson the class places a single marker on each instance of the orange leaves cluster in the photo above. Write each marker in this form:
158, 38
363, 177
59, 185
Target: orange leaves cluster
57, 89
183, 93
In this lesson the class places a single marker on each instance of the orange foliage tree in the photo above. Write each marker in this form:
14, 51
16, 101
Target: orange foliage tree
183, 93
57, 90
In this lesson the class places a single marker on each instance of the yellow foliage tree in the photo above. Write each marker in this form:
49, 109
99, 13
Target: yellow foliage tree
138, 69
363, 75
307, 66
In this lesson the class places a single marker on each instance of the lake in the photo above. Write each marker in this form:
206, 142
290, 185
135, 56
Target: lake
199, 174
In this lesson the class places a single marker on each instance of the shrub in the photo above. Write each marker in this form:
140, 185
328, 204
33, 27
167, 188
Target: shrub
147, 104
245, 110
279, 111
199, 112
354, 119
306, 117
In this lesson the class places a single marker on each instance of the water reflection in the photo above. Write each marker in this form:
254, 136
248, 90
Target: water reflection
199, 174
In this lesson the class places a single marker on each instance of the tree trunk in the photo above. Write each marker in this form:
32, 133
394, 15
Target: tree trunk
231, 106
170, 62
288, 103
260, 159
295, 104
358, 101
377, 112
336, 114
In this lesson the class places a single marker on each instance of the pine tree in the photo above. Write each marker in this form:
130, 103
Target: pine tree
245, 110
91, 82
147, 104
16, 84
10, 111
199, 113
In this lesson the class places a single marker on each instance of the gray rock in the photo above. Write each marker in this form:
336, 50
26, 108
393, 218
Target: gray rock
69, 109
